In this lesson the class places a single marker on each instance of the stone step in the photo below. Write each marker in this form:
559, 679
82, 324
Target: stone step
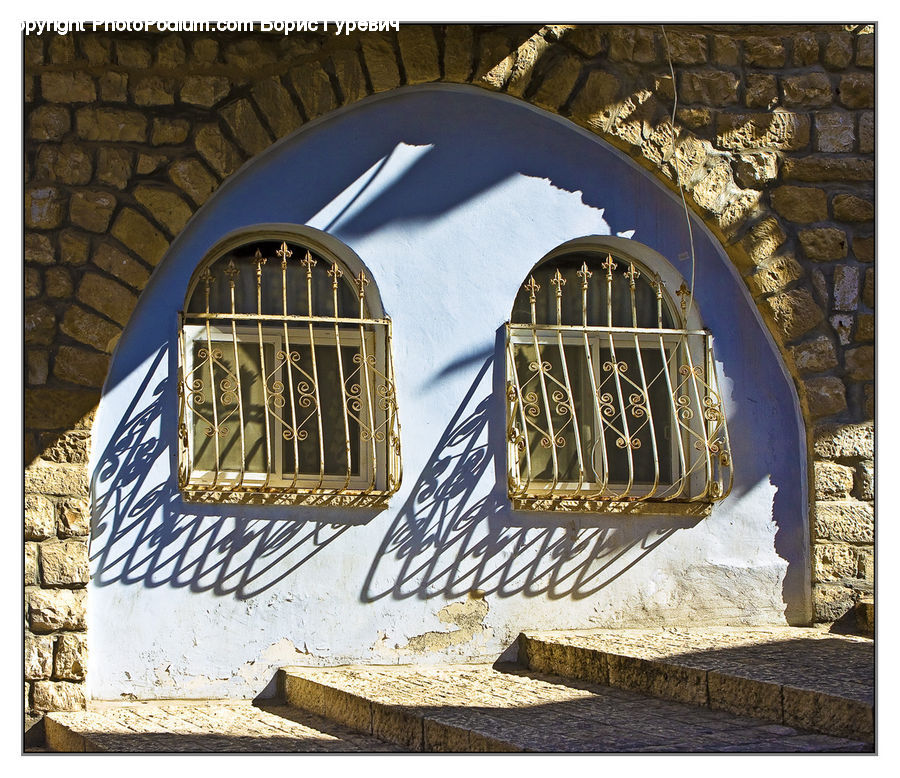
804, 678
865, 616
481, 708
202, 726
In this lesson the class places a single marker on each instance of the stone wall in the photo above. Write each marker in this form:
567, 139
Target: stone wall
127, 135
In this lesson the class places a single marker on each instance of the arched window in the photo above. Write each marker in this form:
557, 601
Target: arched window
612, 390
286, 383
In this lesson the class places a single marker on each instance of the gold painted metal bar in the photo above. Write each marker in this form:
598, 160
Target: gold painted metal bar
284, 252
259, 260
309, 262
335, 272
290, 318
232, 271
361, 283
512, 370
626, 440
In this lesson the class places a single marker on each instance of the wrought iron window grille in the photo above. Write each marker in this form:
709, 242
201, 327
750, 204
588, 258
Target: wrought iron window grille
286, 384
613, 402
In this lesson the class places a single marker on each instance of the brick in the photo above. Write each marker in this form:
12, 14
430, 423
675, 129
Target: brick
806, 49
857, 90
593, 103
761, 91
846, 288
39, 249
58, 283
313, 87
69, 447
33, 283
57, 479
133, 53
349, 75
73, 247
170, 53
496, 59
557, 84
834, 132
114, 87
458, 48
70, 658
168, 132
865, 480
822, 168
860, 362
865, 328
716, 88
32, 577
764, 52
204, 91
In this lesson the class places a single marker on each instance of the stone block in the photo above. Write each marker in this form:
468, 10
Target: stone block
557, 83
109, 258
868, 292
74, 517
496, 58
865, 480
440, 737
823, 168
821, 712
68, 87
846, 288
40, 517
831, 601
70, 658
249, 55
419, 53
133, 53
712, 87
135, 232
775, 275
823, 244
39, 249
834, 132
806, 49
833, 562
780, 130
398, 724
303, 693
595, 100
33, 284
170, 53
860, 363
348, 709
762, 240
49, 122
217, 151
32, 576
865, 328
69, 447
193, 179
794, 312
73, 247
800, 203
313, 88
107, 296
864, 248
168, 132
658, 679
60, 738
630, 44
825, 395
204, 50
458, 47
204, 91
842, 323
849, 208
79, 366
349, 74
744, 696
814, 355
764, 52
38, 657
55, 478
37, 365
39, 325
857, 90
833, 481
761, 91
58, 283
865, 48
90, 329
808, 90
246, 126
58, 695
687, 48
44, 207
838, 50
381, 62
64, 563
167, 207
277, 107
110, 124
67, 164
55, 609
725, 50
114, 87
528, 54
91, 209
846, 521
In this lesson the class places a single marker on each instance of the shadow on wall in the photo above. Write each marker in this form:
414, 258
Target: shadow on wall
445, 542
144, 533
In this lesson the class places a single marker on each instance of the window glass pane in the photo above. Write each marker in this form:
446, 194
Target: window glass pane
223, 391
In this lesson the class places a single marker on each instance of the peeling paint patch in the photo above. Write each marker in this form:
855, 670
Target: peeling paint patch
468, 616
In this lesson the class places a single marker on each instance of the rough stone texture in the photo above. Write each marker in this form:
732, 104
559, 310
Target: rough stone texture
110, 124
815, 355
68, 164
168, 208
865, 480
58, 283
74, 517
153, 90
70, 658
44, 207
761, 91
849, 521
140, 236
833, 481
849, 208
217, 151
107, 296
844, 441
825, 395
79, 366
714, 88
558, 83
73, 247
834, 562
59, 695
91, 209
38, 657
867, 132
40, 324
857, 90
458, 52
32, 576
381, 63
193, 179
114, 166
204, 91
109, 258
169, 131
834, 132
277, 107
795, 312
90, 329
775, 275
764, 52
64, 563
864, 248
53, 609
246, 127
807, 91
418, 50
861, 363
824, 244
846, 288
800, 203
49, 122
593, 102
827, 168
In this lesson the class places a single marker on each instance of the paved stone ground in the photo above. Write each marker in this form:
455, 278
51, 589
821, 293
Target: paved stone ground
204, 726
528, 711
807, 658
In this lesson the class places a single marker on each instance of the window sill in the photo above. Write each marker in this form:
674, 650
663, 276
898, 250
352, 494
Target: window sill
631, 507
338, 499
